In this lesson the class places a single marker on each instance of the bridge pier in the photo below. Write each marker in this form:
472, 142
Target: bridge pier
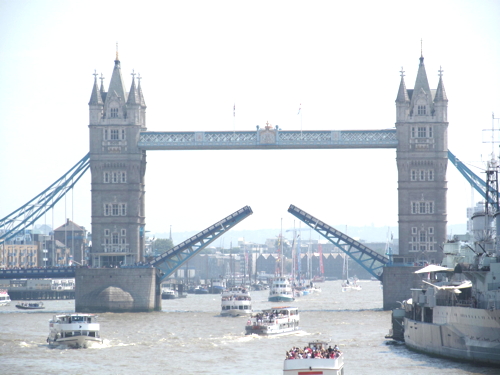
100, 290
398, 282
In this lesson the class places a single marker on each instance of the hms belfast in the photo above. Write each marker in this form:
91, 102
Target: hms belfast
456, 312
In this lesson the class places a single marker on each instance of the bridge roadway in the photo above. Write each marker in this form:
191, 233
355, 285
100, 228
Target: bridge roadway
39, 273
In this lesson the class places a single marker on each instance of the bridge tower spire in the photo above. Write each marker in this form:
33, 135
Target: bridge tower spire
118, 168
422, 158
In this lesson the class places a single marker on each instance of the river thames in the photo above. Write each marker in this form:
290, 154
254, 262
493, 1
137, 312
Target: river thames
189, 337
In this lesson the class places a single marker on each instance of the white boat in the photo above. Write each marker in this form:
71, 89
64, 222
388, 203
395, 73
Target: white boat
4, 297
281, 290
236, 301
273, 321
168, 293
217, 286
74, 330
316, 358
349, 284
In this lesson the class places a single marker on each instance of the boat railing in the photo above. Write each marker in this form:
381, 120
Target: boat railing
298, 363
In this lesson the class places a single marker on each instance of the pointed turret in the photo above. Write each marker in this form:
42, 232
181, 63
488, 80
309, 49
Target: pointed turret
441, 100
402, 92
421, 82
96, 103
421, 100
139, 89
95, 97
134, 103
440, 92
101, 89
402, 100
133, 95
143, 103
116, 84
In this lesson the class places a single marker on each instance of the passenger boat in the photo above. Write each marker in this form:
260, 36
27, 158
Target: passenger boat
167, 293
74, 330
30, 305
200, 289
273, 321
281, 290
217, 286
236, 301
4, 297
316, 358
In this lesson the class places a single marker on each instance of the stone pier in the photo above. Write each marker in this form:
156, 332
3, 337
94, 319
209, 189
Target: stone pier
398, 282
100, 290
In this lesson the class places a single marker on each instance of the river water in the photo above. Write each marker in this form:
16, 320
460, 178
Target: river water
189, 337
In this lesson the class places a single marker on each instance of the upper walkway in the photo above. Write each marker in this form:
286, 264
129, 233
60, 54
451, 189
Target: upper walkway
268, 139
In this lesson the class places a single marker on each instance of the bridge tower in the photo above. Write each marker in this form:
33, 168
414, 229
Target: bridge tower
422, 158
118, 167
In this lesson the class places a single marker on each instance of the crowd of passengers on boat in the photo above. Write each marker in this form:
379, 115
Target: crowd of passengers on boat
266, 317
307, 352
236, 298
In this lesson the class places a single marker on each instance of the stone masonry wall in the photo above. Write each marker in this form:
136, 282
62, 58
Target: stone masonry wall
116, 290
397, 284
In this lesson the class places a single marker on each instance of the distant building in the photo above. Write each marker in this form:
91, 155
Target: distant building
19, 255
73, 236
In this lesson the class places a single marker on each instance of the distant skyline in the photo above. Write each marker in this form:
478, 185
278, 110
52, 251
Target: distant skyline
224, 66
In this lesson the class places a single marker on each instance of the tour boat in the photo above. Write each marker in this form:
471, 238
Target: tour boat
168, 293
317, 358
30, 305
273, 321
236, 301
281, 290
74, 330
4, 297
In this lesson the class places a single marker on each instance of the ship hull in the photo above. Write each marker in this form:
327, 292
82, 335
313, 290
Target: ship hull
279, 298
467, 334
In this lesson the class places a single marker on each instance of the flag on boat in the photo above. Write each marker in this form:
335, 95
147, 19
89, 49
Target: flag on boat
300, 105
234, 110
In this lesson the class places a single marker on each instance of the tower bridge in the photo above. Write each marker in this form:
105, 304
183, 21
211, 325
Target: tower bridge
119, 141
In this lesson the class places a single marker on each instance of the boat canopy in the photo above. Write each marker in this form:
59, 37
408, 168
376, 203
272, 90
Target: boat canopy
434, 268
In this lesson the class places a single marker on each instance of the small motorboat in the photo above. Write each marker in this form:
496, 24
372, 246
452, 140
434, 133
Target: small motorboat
30, 305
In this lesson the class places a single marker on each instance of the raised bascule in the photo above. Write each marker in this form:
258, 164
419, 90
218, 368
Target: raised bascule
119, 141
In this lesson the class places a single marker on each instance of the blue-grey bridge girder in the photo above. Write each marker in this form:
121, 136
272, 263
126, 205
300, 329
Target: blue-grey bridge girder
370, 260
474, 180
268, 139
29, 213
173, 259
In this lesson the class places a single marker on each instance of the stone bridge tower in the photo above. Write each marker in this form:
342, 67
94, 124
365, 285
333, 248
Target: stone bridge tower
422, 158
118, 168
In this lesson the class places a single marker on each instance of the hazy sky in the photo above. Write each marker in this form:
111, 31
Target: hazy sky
339, 60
